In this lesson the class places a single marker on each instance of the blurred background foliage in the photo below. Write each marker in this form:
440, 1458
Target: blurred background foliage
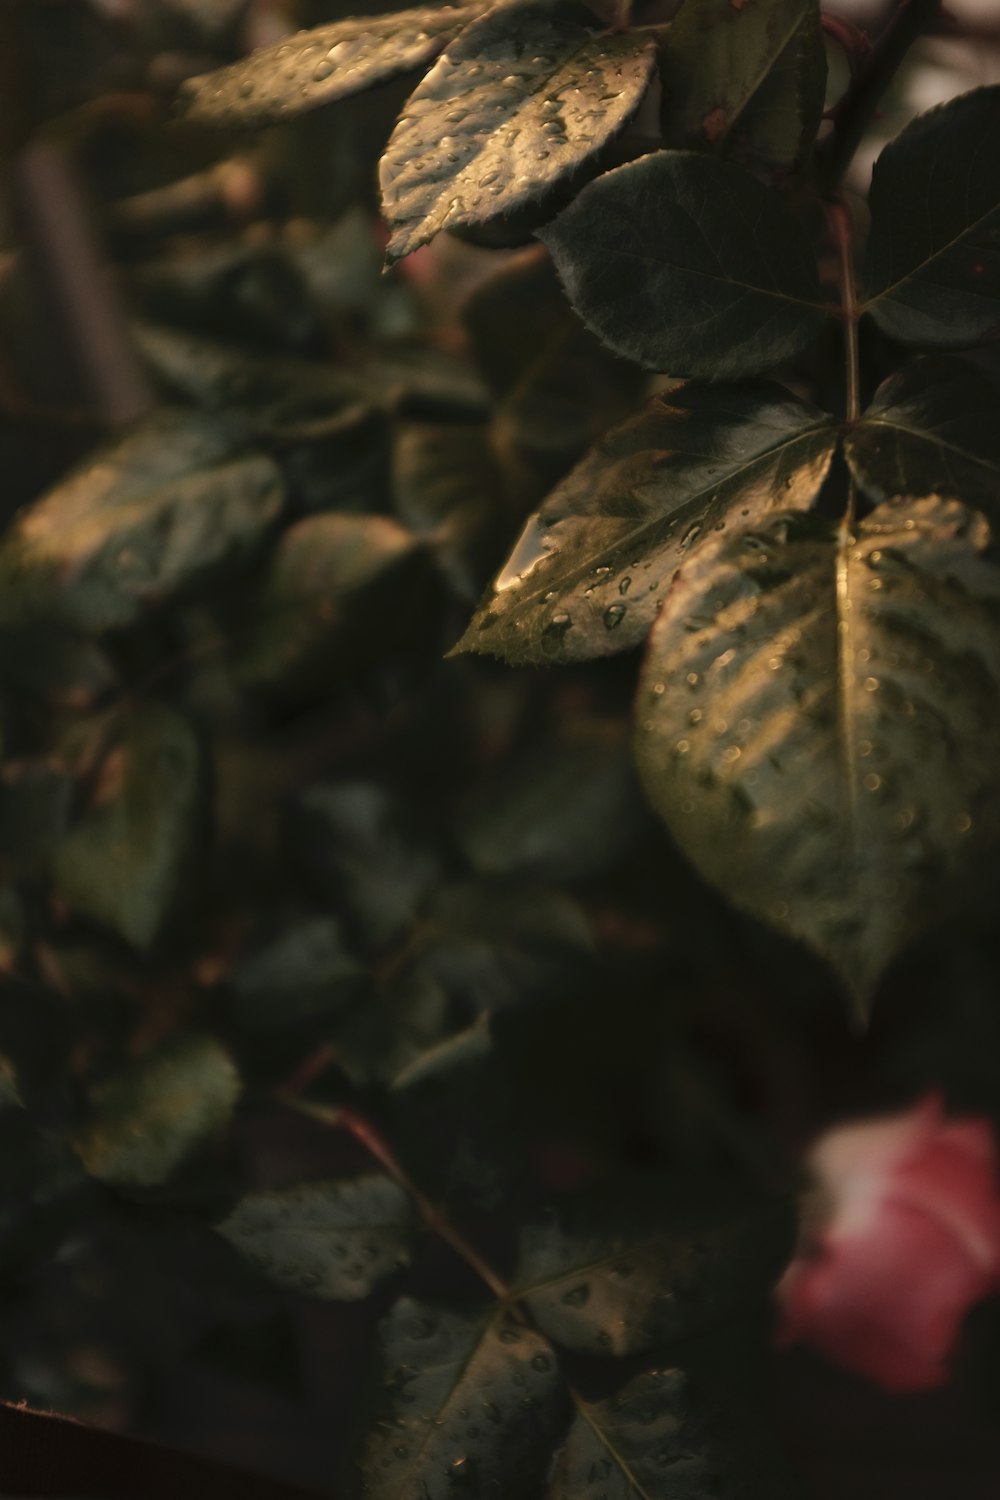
250, 815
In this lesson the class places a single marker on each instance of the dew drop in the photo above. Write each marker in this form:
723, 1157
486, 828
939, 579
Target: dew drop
613, 616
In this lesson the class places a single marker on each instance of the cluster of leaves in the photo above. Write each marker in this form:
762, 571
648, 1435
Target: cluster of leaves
813, 722
340, 973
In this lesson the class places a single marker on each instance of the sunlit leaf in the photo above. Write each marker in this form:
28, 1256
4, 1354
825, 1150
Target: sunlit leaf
125, 861
319, 66
471, 1401
932, 272
515, 106
148, 1119
162, 509
599, 556
931, 427
745, 79
687, 264
618, 1272
336, 1239
817, 723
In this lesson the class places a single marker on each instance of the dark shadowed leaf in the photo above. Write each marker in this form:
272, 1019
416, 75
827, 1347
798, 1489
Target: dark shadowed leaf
471, 1402
331, 585
932, 273
666, 1436
515, 106
557, 388
150, 1118
748, 80
931, 428
594, 563
448, 489
816, 722
319, 66
622, 1270
689, 265
334, 1239
125, 861
528, 817
358, 847
307, 971
457, 1120
165, 507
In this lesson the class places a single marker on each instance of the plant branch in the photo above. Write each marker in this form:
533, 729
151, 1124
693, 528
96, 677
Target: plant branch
436, 1220
842, 225
854, 113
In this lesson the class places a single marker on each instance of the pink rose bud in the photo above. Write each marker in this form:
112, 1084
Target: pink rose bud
902, 1237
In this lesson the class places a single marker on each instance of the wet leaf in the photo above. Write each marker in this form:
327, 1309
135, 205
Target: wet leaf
931, 427
335, 1240
515, 106
665, 1436
320, 66
596, 560
687, 264
747, 80
932, 272
619, 1271
816, 722
472, 1402
163, 509
124, 863
151, 1117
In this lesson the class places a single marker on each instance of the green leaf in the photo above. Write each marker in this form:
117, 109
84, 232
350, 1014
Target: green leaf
816, 722
515, 106
619, 1271
931, 428
687, 264
326, 602
125, 862
596, 561
335, 1240
320, 66
164, 508
307, 971
472, 1401
150, 1118
745, 79
932, 272
665, 1436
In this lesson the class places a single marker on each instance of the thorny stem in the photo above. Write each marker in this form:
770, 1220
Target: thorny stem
366, 1135
855, 110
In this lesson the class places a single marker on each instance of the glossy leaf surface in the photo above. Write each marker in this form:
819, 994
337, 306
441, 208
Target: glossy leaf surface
618, 1273
594, 563
148, 1119
172, 502
687, 264
932, 426
932, 273
320, 66
336, 1240
471, 1401
664, 1437
747, 80
816, 722
521, 100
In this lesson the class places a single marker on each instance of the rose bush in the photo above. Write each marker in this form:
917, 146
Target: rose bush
903, 1238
